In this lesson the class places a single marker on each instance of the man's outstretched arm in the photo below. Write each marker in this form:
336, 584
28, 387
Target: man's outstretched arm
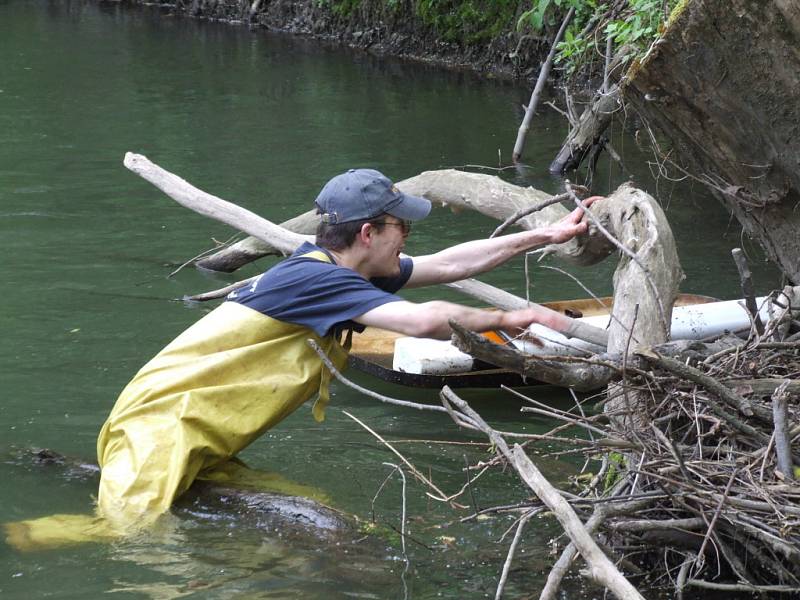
478, 256
431, 319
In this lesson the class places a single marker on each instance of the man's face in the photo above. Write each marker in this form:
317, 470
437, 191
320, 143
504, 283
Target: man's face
388, 244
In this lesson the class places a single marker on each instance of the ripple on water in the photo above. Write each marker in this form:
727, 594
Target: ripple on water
35, 213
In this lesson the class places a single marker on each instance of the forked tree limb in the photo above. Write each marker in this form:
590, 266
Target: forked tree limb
231, 258
216, 208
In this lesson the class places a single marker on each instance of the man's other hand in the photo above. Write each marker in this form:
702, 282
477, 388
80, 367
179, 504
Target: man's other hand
573, 224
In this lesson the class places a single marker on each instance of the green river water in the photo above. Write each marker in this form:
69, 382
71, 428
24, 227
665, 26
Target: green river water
262, 120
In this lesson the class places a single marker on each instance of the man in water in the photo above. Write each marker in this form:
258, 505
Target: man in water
246, 366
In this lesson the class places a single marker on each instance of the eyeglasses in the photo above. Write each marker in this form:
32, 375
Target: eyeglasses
404, 225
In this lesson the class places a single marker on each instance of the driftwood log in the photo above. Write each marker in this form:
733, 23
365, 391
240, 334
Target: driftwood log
645, 286
447, 188
286, 241
245, 251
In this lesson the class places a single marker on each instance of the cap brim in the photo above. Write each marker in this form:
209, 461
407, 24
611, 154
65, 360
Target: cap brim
411, 208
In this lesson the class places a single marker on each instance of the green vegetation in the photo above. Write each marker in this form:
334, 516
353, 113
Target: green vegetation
467, 21
635, 23
462, 21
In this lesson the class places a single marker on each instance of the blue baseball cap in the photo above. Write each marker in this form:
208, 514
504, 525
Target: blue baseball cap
362, 194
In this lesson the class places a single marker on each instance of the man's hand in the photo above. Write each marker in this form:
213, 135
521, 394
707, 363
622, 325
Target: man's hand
516, 321
573, 224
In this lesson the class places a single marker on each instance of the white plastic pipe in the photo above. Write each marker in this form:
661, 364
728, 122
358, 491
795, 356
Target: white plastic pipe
699, 321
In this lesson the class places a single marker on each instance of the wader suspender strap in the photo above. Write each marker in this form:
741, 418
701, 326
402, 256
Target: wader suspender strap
318, 410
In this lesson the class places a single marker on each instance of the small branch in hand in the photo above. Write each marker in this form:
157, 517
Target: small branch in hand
524, 212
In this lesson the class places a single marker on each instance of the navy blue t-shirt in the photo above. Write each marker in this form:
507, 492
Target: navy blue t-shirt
319, 295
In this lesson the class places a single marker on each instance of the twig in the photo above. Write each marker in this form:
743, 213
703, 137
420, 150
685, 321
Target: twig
403, 513
367, 392
683, 573
740, 587
601, 568
783, 445
524, 212
561, 566
701, 553
730, 397
442, 496
748, 290
510, 557
203, 254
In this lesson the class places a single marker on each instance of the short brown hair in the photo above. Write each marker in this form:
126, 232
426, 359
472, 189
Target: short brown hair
342, 235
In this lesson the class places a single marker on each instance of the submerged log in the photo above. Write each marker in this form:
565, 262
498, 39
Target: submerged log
723, 86
284, 512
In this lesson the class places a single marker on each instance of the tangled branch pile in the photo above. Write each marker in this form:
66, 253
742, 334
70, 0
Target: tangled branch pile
724, 497
705, 495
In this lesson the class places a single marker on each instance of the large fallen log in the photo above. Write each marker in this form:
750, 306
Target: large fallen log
286, 241
245, 251
448, 188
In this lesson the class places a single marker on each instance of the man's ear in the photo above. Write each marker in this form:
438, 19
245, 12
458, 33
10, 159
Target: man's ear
365, 234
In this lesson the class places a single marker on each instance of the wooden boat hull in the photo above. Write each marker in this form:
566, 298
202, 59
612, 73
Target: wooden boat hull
373, 350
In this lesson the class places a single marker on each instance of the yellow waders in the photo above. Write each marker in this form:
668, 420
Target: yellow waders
207, 395
211, 392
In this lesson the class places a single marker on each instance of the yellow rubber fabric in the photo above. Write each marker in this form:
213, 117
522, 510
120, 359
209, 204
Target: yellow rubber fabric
187, 413
202, 399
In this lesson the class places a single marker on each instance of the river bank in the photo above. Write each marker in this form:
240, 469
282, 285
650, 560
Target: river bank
492, 46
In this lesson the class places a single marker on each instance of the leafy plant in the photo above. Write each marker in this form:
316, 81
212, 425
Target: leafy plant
636, 25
